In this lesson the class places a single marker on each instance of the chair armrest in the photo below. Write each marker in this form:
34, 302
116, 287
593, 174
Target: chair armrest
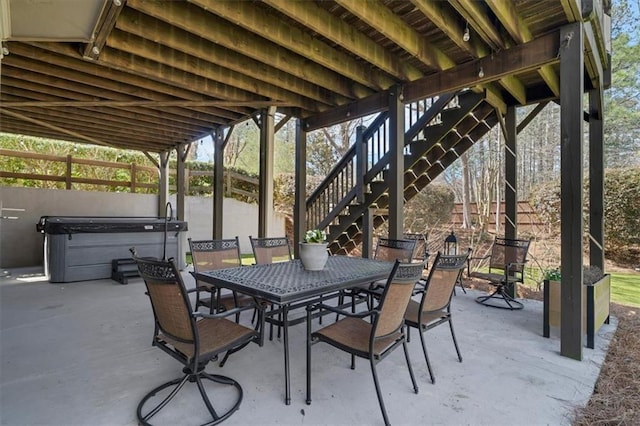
469, 259
318, 306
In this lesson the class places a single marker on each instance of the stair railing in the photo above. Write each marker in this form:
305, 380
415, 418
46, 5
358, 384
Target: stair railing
366, 160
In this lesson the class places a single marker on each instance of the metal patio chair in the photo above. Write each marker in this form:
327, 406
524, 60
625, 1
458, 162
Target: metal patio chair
374, 339
193, 338
434, 307
216, 254
506, 268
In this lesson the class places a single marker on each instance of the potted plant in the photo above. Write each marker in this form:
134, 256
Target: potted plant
596, 291
313, 250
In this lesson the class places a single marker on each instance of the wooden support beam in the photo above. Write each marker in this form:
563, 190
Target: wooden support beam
476, 15
163, 183
269, 26
511, 176
160, 54
571, 184
533, 114
300, 194
506, 12
104, 26
54, 127
340, 32
224, 33
396, 164
182, 150
449, 23
218, 183
521, 58
393, 27
154, 30
126, 104
98, 75
267, 140
596, 179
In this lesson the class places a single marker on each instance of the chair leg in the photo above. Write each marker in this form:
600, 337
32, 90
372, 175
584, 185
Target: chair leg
308, 358
500, 293
426, 357
406, 355
378, 391
455, 342
179, 382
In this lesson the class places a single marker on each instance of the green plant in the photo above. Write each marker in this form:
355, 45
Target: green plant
314, 236
552, 274
590, 274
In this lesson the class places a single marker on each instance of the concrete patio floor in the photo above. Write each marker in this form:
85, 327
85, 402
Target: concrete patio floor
80, 354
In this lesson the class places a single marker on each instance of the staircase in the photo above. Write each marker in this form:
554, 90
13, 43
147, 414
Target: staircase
438, 131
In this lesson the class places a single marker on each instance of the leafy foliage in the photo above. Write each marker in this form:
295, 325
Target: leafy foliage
429, 208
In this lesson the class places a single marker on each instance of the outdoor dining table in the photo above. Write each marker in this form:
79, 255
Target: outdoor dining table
288, 285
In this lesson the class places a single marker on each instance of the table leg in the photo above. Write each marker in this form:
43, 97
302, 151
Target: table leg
285, 331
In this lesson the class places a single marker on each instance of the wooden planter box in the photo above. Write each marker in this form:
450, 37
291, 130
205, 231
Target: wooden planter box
595, 310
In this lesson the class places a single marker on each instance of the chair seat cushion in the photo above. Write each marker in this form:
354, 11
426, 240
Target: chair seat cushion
495, 279
354, 333
413, 310
216, 335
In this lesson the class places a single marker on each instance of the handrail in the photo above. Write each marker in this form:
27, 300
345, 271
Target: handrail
345, 183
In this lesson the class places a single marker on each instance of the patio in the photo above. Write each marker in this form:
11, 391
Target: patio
80, 353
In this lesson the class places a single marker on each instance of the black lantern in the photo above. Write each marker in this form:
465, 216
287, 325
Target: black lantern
451, 245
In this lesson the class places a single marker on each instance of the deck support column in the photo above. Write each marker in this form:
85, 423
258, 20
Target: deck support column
218, 182
396, 163
265, 197
163, 183
596, 179
511, 181
182, 151
571, 140
300, 202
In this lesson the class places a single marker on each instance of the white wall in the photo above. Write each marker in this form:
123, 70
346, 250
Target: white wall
21, 245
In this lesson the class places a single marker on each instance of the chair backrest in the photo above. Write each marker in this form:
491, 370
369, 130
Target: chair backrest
215, 254
505, 251
395, 298
271, 249
420, 251
169, 299
391, 250
441, 281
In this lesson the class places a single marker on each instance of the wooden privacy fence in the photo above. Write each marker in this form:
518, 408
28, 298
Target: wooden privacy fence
67, 172
528, 219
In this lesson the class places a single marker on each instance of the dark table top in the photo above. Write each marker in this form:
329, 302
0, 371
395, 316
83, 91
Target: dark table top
288, 282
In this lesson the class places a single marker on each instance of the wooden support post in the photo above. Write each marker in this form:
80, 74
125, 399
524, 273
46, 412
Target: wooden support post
510, 175
367, 232
361, 162
182, 150
300, 202
68, 175
218, 182
396, 164
511, 182
596, 179
265, 197
133, 177
571, 139
163, 183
